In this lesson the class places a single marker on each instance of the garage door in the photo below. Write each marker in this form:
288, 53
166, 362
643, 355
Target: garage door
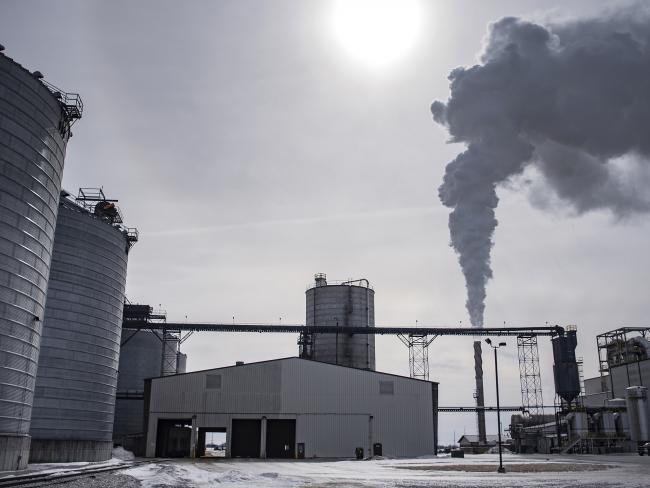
246, 437
280, 438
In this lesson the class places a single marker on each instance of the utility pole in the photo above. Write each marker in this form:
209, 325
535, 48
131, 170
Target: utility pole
501, 469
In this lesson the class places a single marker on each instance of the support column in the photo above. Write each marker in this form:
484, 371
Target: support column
193, 437
263, 439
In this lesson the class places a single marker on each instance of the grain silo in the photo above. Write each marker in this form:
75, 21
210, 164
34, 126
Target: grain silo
35, 121
143, 354
74, 401
341, 305
140, 358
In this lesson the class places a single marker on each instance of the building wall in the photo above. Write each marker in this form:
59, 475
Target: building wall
336, 409
632, 374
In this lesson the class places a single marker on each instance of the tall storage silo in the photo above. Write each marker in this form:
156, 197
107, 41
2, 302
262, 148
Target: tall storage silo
74, 400
342, 305
140, 358
35, 122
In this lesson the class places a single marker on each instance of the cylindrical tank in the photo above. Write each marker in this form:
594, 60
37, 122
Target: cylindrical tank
638, 412
140, 358
74, 401
32, 148
347, 304
181, 363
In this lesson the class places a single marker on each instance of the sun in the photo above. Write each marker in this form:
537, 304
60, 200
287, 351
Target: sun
376, 32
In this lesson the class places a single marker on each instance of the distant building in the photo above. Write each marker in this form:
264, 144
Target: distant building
291, 408
470, 443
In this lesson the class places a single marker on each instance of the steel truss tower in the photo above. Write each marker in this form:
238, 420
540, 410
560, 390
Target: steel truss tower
418, 345
529, 374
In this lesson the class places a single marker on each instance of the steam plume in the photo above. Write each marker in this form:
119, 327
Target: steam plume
570, 101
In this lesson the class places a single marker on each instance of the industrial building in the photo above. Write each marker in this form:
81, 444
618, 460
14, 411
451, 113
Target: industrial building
35, 123
74, 400
291, 408
611, 414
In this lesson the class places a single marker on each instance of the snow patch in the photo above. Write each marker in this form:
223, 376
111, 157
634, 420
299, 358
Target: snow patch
122, 454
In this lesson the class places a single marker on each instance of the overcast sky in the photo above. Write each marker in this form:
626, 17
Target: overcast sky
252, 150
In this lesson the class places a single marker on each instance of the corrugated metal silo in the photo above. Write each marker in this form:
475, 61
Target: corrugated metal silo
34, 130
346, 304
140, 358
74, 400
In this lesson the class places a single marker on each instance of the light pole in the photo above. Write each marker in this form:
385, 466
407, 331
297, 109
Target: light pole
496, 374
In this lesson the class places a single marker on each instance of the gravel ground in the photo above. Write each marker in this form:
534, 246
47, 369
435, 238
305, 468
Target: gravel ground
103, 480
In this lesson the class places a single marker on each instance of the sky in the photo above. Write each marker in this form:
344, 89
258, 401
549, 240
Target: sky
252, 149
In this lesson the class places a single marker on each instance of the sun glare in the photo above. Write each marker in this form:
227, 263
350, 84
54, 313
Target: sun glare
376, 32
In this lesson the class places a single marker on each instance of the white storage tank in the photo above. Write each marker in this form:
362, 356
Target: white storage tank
76, 382
342, 305
638, 412
35, 122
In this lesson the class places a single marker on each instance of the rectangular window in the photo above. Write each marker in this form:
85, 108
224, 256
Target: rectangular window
386, 388
213, 382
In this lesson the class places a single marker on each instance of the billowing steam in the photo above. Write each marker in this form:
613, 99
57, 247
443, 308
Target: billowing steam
570, 101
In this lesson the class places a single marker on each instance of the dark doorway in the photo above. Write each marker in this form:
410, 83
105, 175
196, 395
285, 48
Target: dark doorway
211, 442
245, 438
280, 438
173, 438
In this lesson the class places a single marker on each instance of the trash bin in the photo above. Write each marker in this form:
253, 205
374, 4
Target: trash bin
358, 452
377, 449
457, 453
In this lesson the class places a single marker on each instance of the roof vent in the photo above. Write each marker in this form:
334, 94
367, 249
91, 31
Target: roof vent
239, 363
38, 75
2, 48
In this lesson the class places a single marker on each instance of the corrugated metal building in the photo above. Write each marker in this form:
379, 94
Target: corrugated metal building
291, 408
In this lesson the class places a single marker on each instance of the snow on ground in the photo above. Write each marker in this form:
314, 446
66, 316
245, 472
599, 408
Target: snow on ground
474, 471
121, 453
61, 467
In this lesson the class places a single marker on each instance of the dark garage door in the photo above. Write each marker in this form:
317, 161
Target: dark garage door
173, 439
280, 438
246, 436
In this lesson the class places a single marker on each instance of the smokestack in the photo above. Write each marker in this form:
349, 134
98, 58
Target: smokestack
480, 398
560, 111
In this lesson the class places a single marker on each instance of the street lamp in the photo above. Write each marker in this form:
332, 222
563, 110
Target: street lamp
496, 374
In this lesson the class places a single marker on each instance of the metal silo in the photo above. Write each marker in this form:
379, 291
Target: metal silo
140, 358
35, 121
74, 400
342, 305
